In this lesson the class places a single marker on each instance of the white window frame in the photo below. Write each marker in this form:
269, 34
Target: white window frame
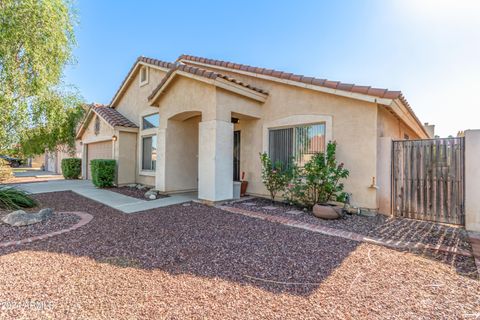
147, 171
148, 115
144, 82
298, 120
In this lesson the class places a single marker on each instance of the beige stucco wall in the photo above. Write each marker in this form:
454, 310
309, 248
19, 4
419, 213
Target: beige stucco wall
126, 150
472, 180
390, 126
133, 104
353, 127
181, 156
106, 132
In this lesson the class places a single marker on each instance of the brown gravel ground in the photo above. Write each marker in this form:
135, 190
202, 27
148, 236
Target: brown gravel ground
379, 226
199, 262
133, 192
56, 222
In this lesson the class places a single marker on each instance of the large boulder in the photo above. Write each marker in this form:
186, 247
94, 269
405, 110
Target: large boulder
328, 212
20, 218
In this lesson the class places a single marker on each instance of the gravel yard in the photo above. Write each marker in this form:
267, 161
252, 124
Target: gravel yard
56, 222
133, 192
184, 262
379, 226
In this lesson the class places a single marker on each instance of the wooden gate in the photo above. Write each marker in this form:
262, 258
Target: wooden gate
428, 179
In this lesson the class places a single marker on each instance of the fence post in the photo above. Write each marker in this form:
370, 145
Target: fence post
472, 180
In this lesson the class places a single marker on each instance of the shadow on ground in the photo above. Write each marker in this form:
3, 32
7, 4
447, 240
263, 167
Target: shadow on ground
201, 241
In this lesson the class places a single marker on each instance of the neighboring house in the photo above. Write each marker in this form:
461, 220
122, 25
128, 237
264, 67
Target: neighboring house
172, 126
53, 159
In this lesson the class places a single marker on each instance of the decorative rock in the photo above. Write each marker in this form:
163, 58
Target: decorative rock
327, 212
151, 194
45, 213
21, 218
141, 187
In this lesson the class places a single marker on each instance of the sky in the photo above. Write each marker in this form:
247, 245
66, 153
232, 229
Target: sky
428, 49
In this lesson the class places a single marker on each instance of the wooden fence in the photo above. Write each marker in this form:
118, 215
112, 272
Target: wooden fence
428, 179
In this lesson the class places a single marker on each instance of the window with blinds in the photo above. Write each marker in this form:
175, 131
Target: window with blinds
297, 143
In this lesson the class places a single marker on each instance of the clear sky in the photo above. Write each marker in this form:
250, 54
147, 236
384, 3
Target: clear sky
429, 49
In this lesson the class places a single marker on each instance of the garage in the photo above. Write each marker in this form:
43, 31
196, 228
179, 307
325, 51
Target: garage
98, 150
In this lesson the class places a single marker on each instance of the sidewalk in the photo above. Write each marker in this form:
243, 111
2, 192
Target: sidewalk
115, 200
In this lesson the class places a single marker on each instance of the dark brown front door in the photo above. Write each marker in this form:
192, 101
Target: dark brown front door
236, 156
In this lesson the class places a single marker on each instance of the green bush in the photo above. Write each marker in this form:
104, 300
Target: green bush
103, 172
275, 176
72, 168
12, 199
319, 180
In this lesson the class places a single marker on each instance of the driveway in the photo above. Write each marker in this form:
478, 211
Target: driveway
29, 175
192, 261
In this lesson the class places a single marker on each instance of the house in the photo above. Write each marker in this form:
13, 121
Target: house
175, 126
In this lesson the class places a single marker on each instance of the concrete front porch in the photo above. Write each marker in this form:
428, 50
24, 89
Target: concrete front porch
114, 200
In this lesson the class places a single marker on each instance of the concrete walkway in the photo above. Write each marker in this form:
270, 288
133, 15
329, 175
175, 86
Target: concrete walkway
112, 199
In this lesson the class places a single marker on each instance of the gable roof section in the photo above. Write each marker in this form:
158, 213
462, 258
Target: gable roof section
111, 116
209, 75
154, 63
324, 83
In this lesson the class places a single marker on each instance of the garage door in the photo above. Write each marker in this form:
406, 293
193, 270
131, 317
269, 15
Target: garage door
98, 150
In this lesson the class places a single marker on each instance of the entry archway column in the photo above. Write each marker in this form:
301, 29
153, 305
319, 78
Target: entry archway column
215, 160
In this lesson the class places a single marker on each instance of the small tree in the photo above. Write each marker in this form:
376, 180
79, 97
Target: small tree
319, 180
275, 176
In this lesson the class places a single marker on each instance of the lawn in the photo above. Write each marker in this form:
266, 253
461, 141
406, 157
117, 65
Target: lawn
195, 261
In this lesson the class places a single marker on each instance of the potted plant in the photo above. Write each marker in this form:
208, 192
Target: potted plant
244, 185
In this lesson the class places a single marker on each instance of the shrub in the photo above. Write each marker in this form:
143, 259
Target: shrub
103, 172
319, 180
275, 176
5, 170
72, 168
12, 198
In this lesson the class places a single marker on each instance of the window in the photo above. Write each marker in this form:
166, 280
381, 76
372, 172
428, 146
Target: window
150, 121
143, 76
149, 153
297, 143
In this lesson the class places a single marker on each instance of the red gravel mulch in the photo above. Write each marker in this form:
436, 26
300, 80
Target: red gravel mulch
197, 262
58, 221
133, 192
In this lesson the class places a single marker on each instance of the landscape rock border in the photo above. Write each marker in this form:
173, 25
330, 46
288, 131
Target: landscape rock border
84, 219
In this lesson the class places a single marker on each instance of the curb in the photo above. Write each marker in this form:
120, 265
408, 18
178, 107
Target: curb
395, 244
84, 219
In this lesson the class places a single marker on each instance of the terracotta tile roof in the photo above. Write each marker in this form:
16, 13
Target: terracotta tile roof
202, 73
159, 63
377, 92
337, 85
112, 116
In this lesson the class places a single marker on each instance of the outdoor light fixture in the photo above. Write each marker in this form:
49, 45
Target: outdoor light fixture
114, 138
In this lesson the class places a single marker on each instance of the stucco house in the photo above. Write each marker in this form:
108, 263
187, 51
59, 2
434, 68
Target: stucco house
196, 124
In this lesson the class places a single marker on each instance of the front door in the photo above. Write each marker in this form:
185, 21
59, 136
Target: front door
236, 156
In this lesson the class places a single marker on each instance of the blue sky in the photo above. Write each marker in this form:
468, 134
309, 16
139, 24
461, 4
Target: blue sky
428, 49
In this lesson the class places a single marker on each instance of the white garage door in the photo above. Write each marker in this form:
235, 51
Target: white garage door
98, 150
